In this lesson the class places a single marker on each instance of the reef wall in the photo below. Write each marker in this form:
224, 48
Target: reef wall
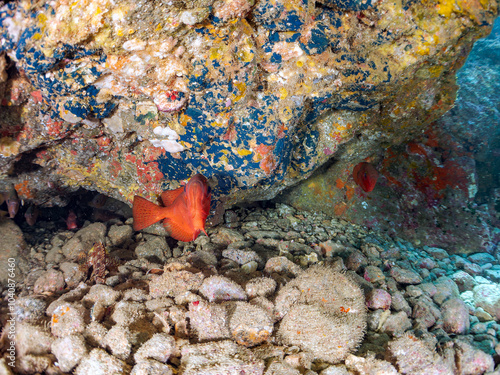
126, 97
442, 188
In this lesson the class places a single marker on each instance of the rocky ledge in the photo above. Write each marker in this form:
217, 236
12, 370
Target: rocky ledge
132, 97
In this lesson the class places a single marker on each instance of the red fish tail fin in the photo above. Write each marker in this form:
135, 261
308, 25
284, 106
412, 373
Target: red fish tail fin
145, 213
179, 231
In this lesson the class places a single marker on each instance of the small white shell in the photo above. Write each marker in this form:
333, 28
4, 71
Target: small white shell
167, 144
134, 45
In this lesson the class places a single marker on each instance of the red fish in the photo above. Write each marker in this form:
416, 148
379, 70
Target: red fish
71, 220
12, 201
31, 215
365, 175
184, 210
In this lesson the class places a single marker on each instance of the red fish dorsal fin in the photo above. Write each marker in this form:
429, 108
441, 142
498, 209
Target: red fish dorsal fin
146, 213
178, 230
168, 197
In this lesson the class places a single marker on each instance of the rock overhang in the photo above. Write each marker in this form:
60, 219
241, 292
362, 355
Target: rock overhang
255, 95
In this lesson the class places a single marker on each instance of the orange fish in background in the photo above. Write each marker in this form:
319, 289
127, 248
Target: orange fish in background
184, 210
31, 215
365, 175
12, 201
72, 220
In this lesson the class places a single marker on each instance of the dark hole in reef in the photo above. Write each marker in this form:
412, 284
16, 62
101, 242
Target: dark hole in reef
25, 164
12, 71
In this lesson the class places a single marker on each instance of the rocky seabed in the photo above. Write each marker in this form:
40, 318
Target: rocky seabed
270, 291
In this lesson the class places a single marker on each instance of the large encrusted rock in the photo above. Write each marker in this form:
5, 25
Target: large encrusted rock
132, 97
427, 189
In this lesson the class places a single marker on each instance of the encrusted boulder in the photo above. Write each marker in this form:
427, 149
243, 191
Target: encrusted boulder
427, 189
132, 97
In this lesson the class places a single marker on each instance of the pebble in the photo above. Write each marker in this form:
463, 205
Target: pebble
412, 356
487, 297
281, 265
225, 236
220, 288
463, 280
445, 288
378, 299
31, 339
103, 294
493, 274
482, 315
202, 259
73, 274
438, 272
404, 276
118, 341
331, 248
126, 313
396, 324
478, 328
250, 325
241, 256
209, 321
259, 234
95, 334
150, 367
98, 361
12, 246
83, 240
436, 252
427, 263
473, 269
356, 260
472, 361
481, 258
68, 319
455, 315
261, 286
425, 312
154, 249
281, 368
5, 369
118, 234
250, 267
219, 357
54, 256
428, 288
373, 274
172, 283
29, 308
33, 364
362, 366
51, 281
69, 351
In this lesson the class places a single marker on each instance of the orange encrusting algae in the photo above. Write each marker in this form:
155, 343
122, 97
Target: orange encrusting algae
184, 211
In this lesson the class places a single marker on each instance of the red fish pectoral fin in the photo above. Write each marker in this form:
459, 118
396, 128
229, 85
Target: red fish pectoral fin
145, 213
178, 230
168, 197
